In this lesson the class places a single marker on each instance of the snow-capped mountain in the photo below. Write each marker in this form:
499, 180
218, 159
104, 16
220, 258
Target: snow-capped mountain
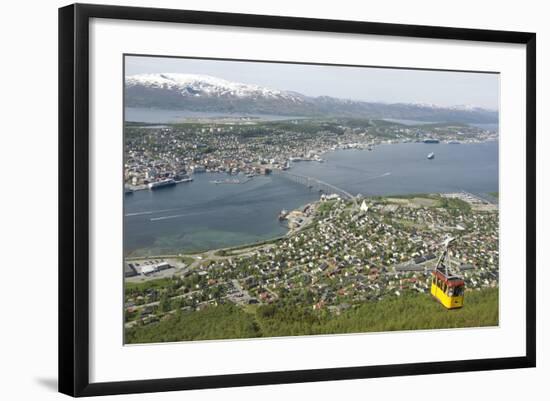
205, 85
469, 107
210, 94
461, 107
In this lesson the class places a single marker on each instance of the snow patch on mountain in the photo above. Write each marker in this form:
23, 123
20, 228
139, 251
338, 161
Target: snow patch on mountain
197, 92
459, 107
208, 86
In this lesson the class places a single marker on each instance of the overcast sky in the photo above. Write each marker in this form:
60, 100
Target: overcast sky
359, 83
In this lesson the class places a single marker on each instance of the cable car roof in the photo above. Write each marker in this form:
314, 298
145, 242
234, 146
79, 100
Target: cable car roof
451, 279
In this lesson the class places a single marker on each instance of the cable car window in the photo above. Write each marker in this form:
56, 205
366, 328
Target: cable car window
455, 291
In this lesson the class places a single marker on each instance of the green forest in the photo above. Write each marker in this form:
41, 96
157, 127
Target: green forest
409, 312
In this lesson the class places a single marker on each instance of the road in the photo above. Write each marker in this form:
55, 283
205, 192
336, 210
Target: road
304, 178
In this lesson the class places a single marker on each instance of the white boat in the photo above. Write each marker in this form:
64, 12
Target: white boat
431, 155
162, 183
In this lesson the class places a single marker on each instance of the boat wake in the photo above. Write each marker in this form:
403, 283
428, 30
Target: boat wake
379, 176
175, 216
149, 212
370, 178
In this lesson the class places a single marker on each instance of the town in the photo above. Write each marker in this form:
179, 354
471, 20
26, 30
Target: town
169, 154
338, 254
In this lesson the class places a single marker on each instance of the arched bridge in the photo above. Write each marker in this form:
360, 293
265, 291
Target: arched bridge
316, 183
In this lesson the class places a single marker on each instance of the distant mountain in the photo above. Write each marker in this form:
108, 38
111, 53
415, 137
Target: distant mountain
209, 94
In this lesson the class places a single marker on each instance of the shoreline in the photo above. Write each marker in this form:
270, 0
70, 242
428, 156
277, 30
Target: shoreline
320, 152
291, 231
248, 245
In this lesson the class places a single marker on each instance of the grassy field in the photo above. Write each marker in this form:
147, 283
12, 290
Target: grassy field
157, 284
409, 312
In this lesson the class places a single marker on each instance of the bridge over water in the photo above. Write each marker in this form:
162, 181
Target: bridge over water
318, 184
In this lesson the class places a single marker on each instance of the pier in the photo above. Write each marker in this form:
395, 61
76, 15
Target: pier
317, 184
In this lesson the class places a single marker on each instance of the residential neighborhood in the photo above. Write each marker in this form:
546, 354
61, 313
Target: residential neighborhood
175, 152
344, 256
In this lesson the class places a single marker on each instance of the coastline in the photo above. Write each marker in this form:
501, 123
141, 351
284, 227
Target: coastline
313, 207
321, 152
321, 274
290, 231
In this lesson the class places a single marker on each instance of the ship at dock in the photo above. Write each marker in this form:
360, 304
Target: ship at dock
182, 178
161, 184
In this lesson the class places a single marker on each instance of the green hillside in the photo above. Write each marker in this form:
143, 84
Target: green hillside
409, 312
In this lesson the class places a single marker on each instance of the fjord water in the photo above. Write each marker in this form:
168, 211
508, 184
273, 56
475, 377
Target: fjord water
164, 116
404, 168
200, 215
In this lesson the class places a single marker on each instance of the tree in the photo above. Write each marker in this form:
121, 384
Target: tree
165, 304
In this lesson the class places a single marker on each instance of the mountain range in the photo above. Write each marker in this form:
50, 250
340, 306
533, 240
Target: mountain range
205, 93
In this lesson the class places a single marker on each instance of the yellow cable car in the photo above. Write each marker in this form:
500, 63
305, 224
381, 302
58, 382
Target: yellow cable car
447, 287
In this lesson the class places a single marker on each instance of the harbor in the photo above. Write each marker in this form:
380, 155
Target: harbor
219, 216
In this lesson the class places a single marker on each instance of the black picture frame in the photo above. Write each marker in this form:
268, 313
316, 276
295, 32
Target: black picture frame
74, 198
